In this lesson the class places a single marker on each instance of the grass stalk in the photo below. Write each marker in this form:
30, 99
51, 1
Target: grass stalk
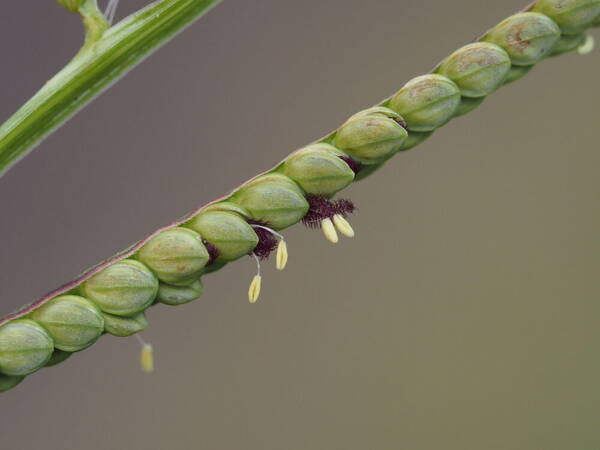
107, 54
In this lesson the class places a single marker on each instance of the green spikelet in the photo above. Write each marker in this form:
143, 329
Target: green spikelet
57, 357
516, 73
227, 231
274, 200
426, 102
372, 136
73, 322
567, 43
179, 295
176, 256
227, 206
124, 325
468, 104
7, 382
526, 37
318, 169
25, 346
123, 288
572, 16
478, 69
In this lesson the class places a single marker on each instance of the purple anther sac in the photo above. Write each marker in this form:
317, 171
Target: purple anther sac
267, 241
321, 208
213, 252
354, 165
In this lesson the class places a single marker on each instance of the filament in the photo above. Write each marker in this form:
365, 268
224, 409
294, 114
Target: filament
111, 10
273, 232
257, 264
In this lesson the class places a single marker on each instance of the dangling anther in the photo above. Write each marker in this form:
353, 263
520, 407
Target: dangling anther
281, 256
146, 355
255, 284
587, 46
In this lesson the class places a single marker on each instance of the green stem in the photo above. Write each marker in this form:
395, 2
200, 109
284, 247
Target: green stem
107, 54
94, 22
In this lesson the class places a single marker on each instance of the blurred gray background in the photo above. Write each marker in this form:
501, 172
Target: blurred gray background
464, 315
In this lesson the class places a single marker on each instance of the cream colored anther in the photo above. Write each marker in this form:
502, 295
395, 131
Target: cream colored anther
587, 46
281, 256
254, 289
329, 231
146, 355
255, 284
343, 225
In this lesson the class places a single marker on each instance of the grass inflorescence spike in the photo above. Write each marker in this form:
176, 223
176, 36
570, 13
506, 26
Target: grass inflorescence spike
166, 267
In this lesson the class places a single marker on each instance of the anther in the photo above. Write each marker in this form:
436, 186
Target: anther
329, 230
587, 46
343, 225
255, 284
146, 355
282, 255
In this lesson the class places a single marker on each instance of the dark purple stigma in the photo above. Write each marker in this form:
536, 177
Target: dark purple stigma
344, 207
400, 122
321, 208
213, 252
354, 165
267, 241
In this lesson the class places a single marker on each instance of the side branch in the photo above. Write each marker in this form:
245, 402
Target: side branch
107, 55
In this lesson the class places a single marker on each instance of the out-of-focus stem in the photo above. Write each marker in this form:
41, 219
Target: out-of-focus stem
107, 54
